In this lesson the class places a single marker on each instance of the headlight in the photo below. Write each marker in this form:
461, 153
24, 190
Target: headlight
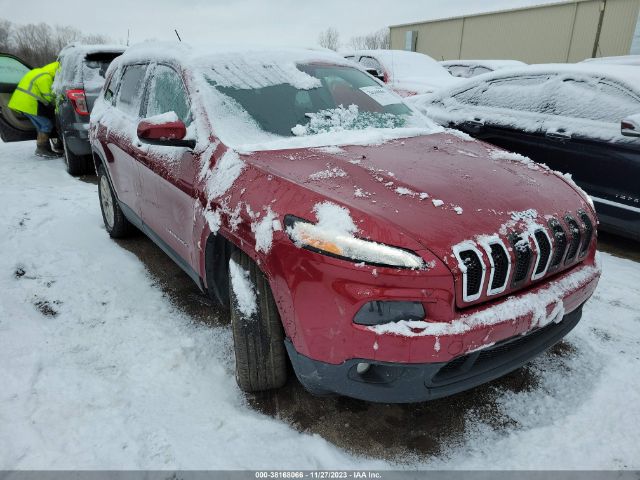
347, 247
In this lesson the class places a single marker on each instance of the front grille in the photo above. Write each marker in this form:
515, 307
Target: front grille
559, 241
574, 238
544, 252
474, 272
522, 251
587, 226
500, 266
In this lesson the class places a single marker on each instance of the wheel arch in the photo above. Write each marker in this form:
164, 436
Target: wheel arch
218, 250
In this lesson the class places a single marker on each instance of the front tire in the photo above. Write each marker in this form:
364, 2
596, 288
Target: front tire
115, 222
261, 357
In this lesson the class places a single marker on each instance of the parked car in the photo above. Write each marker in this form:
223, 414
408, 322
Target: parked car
575, 118
76, 86
621, 60
13, 125
473, 68
407, 73
388, 259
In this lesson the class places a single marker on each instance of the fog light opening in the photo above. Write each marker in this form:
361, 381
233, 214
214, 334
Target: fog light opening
363, 368
380, 312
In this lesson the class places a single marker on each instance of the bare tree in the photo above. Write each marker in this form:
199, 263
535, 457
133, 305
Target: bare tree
39, 44
5, 35
330, 38
373, 41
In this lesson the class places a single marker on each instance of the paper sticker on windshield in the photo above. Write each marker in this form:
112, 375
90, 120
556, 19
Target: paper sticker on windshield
381, 95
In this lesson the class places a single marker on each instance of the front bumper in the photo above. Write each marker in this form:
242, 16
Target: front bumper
387, 382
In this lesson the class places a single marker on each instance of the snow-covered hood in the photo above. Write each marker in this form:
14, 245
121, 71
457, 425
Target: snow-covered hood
439, 189
421, 85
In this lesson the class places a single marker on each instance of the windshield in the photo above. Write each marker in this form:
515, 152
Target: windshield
345, 98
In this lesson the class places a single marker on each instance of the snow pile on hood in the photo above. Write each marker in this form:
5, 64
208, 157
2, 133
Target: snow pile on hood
243, 290
334, 219
350, 118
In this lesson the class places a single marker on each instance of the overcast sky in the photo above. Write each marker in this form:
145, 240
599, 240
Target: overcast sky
270, 22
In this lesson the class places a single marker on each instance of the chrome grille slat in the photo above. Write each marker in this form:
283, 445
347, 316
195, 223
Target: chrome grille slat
543, 244
559, 243
523, 254
587, 225
574, 238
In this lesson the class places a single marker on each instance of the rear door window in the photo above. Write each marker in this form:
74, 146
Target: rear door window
131, 89
594, 100
167, 94
372, 66
529, 94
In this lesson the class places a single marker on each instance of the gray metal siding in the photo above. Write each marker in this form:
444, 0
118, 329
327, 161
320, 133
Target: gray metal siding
552, 33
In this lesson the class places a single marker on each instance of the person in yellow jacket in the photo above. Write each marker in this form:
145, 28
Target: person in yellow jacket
34, 99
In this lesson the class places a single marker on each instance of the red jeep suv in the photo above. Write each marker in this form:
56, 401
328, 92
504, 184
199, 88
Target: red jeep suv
387, 258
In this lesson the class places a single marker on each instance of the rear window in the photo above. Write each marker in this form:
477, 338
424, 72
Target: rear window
131, 89
94, 68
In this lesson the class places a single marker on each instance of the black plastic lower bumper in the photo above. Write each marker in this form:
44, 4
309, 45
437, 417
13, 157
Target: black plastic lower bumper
408, 383
78, 141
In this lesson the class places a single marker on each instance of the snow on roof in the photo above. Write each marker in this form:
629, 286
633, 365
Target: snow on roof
626, 75
215, 55
621, 60
80, 48
410, 67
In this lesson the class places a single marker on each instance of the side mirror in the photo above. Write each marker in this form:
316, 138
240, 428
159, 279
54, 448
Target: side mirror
170, 133
630, 126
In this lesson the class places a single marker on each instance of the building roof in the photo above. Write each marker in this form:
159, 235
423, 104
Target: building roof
493, 12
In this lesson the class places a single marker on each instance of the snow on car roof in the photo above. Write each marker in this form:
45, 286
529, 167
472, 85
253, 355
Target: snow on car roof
627, 75
406, 66
80, 48
620, 60
240, 67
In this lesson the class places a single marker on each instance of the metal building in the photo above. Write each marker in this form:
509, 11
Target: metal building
558, 32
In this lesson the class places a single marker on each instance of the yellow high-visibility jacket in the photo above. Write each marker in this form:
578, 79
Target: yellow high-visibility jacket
34, 87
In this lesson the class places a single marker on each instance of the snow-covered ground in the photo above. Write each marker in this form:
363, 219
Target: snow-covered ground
99, 370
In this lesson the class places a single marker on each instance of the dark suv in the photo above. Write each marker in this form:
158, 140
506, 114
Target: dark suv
77, 85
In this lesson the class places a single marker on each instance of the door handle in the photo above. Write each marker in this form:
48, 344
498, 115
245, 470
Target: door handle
474, 125
558, 136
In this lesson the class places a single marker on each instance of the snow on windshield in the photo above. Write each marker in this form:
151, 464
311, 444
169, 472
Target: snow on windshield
319, 99
350, 118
